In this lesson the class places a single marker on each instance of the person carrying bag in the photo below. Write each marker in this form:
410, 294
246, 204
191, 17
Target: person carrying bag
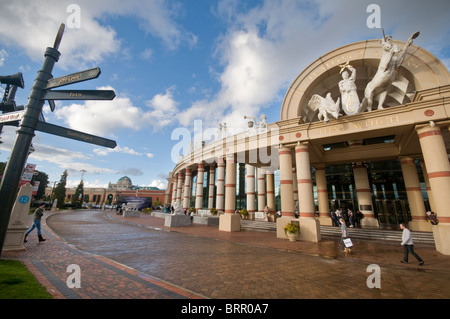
345, 237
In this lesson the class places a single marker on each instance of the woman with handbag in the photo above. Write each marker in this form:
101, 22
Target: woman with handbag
345, 238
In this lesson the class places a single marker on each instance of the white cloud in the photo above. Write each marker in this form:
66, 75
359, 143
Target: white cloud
163, 109
147, 54
71, 160
103, 117
3, 56
86, 184
117, 149
158, 183
35, 24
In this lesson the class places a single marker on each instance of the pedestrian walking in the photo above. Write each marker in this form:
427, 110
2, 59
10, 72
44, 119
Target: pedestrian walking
338, 213
334, 218
345, 237
351, 218
358, 217
38, 213
408, 245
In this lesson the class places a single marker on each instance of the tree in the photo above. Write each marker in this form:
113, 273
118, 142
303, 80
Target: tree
60, 190
157, 202
77, 198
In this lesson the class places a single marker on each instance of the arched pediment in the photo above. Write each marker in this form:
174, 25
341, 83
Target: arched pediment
420, 70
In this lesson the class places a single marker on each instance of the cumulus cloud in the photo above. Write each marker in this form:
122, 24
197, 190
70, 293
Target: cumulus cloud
71, 160
163, 109
102, 117
120, 149
159, 184
35, 23
105, 118
3, 56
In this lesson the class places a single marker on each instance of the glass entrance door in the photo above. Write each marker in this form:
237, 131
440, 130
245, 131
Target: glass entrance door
392, 212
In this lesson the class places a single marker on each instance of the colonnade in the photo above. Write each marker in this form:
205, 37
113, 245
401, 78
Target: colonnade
296, 183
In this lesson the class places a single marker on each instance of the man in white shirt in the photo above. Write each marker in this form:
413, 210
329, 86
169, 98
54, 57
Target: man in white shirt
408, 246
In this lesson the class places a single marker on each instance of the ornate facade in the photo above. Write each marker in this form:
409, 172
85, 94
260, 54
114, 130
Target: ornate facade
389, 160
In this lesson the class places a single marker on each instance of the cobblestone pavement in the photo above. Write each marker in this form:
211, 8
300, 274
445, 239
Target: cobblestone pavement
137, 257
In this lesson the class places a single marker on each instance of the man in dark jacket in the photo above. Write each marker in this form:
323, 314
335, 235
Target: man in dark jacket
38, 213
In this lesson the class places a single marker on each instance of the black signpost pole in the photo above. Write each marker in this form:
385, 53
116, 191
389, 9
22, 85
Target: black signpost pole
25, 134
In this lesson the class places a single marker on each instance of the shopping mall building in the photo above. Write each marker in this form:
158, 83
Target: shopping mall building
334, 147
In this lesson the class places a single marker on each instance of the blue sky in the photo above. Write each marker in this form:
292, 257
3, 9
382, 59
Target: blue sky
174, 62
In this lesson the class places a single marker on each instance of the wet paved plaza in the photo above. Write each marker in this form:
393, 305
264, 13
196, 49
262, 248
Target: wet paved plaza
128, 258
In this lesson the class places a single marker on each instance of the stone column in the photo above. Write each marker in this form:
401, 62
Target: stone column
261, 190
187, 189
414, 194
174, 190
212, 171
364, 196
230, 221
251, 190
199, 190
286, 190
438, 169
309, 226
220, 194
270, 190
427, 184
179, 188
322, 196
167, 193
294, 184
286, 182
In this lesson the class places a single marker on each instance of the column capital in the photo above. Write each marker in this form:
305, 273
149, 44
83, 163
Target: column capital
406, 160
428, 130
320, 166
359, 165
285, 148
231, 158
301, 147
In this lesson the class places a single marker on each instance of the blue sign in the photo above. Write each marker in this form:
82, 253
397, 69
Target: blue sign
24, 199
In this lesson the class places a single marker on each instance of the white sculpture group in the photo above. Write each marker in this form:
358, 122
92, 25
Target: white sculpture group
390, 61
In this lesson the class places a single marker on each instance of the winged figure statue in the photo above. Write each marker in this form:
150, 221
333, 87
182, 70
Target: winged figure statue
326, 106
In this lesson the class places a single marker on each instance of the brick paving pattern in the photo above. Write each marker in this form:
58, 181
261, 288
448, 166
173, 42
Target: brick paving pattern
137, 257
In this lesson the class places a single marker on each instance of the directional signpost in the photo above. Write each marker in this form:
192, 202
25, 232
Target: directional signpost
30, 121
11, 116
75, 135
73, 78
80, 95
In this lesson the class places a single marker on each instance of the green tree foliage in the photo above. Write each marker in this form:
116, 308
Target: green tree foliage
60, 190
77, 198
43, 179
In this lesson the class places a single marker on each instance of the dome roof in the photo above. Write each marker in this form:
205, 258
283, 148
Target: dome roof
124, 181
